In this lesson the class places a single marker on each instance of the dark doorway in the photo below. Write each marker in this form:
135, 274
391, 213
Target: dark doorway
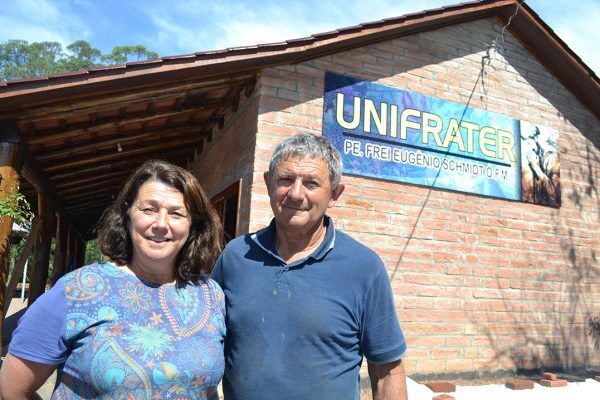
227, 203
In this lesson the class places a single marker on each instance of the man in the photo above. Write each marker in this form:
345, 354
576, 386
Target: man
305, 302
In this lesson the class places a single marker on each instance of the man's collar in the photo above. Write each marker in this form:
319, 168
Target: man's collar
265, 238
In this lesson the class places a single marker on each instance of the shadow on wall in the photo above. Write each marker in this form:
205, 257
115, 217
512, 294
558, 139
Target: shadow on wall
561, 329
594, 331
550, 310
572, 337
592, 189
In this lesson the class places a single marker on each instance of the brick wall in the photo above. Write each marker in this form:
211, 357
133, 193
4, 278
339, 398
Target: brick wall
228, 156
480, 284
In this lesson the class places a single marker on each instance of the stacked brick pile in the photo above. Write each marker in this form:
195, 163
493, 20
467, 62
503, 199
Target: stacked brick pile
442, 387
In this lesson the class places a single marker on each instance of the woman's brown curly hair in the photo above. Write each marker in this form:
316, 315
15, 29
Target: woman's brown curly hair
203, 245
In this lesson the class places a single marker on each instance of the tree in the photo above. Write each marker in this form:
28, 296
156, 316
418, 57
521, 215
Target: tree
16, 206
83, 56
123, 54
92, 253
20, 59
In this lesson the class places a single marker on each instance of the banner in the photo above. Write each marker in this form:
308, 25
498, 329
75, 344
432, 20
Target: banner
393, 134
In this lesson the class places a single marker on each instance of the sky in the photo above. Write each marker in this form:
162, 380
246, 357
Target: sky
174, 27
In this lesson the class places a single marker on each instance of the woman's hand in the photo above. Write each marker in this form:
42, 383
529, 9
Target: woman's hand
20, 379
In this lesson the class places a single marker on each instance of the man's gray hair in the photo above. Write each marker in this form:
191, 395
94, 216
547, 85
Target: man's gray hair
306, 145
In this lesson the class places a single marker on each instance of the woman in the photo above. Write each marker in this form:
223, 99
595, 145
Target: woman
148, 325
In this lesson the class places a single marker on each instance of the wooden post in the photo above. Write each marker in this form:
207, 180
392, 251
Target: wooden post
81, 253
70, 259
75, 253
39, 269
10, 166
19, 265
60, 250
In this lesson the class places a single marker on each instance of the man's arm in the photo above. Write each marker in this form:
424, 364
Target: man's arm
388, 381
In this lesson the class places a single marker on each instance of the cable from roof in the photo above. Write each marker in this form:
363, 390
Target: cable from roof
485, 61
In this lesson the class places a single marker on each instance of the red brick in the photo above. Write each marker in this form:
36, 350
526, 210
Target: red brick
556, 383
443, 397
441, 387
519, 384
549, 375
597, 378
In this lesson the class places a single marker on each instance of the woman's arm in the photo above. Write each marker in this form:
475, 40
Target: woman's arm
20, 379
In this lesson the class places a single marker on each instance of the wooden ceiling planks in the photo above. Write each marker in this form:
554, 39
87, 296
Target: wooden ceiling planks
88, 148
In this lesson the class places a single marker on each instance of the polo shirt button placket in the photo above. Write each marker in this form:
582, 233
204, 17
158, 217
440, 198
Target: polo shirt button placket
280, 282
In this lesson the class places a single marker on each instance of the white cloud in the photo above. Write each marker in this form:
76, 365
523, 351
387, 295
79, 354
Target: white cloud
40, 11
210, 25
41, 20
277, 23
172, 35
30, 32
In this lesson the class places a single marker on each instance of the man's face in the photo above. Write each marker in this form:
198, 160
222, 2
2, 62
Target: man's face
300, 192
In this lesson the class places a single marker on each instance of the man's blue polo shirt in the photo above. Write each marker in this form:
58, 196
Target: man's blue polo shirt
300, 330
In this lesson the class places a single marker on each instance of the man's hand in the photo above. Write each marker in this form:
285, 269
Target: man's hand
388, 381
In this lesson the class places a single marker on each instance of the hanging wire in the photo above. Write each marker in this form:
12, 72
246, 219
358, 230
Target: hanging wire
485, 61
501, 34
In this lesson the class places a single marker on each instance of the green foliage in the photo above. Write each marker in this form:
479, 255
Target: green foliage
123, 54
82, 50
15, 205
20, 59
83, 56
92, 253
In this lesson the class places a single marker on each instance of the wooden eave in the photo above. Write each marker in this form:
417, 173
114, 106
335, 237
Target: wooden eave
96, 126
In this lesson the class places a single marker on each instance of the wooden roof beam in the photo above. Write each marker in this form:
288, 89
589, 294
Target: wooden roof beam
129, 163
100, 184
114, 122
85, 173
81, 196
161, 134
96, 169
90, 179
90, 209
116, 155
111, 101
90, 205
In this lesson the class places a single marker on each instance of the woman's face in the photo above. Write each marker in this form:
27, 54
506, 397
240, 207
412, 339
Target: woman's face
159, 225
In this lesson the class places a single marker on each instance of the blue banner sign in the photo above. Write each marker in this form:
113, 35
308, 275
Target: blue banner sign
393, 134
